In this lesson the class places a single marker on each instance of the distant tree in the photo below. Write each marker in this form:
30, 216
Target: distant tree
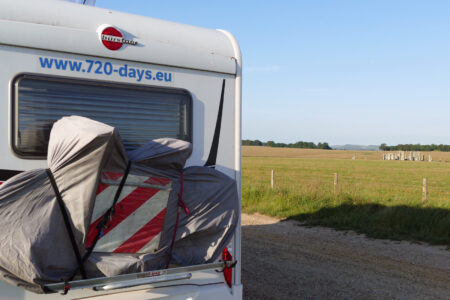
299, 144
416, 147
251, 143
324, 146
281, 145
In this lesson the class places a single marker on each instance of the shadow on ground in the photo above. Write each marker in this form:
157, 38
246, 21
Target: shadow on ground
423, 224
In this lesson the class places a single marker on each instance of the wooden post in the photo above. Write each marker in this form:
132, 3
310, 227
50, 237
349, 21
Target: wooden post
335, 182
271, 179
424, 191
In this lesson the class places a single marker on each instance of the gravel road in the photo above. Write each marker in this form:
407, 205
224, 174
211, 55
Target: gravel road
282, 260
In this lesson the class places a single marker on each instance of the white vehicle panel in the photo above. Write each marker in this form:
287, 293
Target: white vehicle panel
197, 61
72, 28
204, 87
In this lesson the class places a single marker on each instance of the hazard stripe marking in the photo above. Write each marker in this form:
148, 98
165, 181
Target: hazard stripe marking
106, 192
147, 233
111, 175
104, 200
123, 209
139, 214
115, 236
136, 179
158, 181
151, 246
101, 187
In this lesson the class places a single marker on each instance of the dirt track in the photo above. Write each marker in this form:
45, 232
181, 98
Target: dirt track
284, 261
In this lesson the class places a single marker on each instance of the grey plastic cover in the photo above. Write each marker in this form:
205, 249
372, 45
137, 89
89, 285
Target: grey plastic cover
88, 161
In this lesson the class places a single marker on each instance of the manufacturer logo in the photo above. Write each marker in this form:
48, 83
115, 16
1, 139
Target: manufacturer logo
113, 39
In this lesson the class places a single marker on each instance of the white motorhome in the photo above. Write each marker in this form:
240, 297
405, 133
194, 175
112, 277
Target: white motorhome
59, 58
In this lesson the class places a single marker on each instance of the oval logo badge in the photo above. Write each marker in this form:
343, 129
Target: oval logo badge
113, 39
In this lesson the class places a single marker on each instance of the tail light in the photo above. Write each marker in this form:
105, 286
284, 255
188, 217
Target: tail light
227, 270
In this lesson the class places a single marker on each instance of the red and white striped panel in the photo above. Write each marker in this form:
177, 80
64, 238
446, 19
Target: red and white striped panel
139, 213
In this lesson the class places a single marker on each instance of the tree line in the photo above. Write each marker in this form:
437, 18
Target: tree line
415, 147
300, 144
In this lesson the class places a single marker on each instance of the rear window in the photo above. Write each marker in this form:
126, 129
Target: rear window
140, 113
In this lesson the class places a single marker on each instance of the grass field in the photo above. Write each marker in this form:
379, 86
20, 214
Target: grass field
375, 197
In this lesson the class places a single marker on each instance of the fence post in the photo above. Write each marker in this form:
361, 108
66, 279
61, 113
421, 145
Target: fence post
424, 191
335, 182
271, 179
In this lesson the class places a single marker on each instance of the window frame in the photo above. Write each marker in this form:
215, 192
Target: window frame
14, 112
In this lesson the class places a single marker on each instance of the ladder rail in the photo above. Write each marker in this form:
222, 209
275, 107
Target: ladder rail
142, 281
134, 279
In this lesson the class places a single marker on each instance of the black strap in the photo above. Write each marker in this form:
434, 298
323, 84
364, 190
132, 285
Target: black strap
63, 209
181, 205
107, 216
211, 162
119, 190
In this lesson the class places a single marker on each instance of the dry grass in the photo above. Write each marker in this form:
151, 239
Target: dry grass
258, 151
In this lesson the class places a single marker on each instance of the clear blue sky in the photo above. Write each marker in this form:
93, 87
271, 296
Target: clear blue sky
359, 72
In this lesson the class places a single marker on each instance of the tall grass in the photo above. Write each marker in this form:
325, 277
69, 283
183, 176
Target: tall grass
378, 198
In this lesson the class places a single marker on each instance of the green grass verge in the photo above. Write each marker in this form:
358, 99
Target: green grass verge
379, 199
343, 212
